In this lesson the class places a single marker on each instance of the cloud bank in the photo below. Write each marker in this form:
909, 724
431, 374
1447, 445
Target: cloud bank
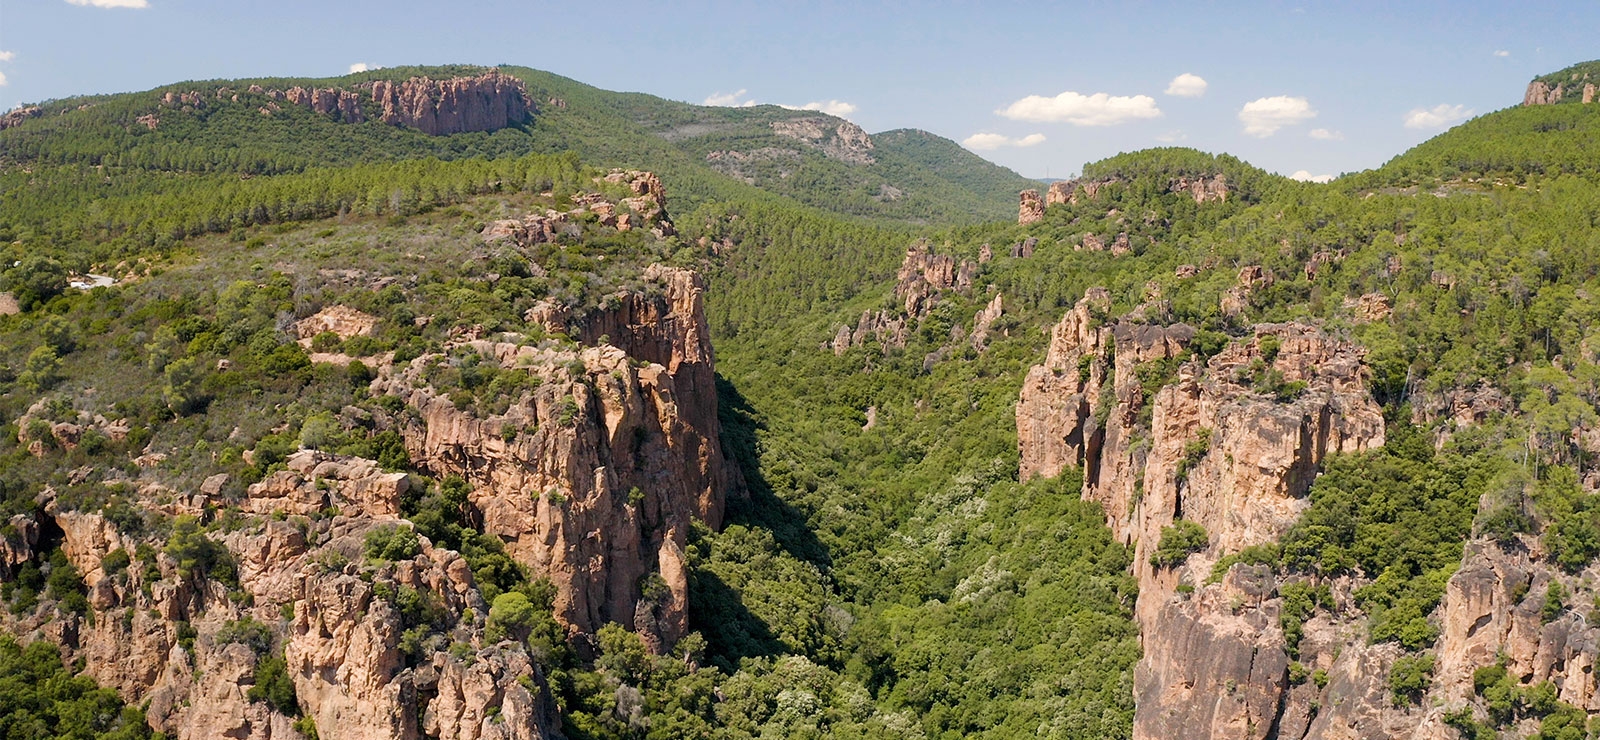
1263, 117
1438, 116
112, 3
1322, 134
1187, 86
1306, 176
984, 142
1098, 109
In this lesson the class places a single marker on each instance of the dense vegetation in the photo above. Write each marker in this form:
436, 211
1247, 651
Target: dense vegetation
887, 576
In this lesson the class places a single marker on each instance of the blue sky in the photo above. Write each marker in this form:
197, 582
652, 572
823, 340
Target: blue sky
1048, 86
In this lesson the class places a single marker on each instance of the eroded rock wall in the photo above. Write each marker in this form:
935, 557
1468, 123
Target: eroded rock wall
595, 477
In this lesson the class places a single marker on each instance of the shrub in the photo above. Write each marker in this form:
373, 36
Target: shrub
1409, 678
393, 542
274, 686
1178, 542
247, 632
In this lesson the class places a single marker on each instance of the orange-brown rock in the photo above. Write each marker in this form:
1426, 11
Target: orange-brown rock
342, 643
315, 481
594, 477
1237, 298
924, 276
1030, 208
344, 321
18, 116
1369, 307
1539, 93
1246, 487
487, 102
343, 105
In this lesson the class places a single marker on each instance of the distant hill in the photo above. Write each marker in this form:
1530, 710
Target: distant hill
250, 127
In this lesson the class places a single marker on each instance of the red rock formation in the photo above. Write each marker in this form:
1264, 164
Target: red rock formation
1246, 487
342, 642
1031, 208
342, 105
594, 477
488, 102
17, 116
1539, 93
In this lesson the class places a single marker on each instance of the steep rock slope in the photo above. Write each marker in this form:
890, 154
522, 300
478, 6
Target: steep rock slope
1230, 444
192, 648
595, 476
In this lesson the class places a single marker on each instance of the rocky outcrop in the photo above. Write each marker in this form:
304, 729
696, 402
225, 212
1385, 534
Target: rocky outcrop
487, 102
593, 477
317, 481
1030, 208
172, 641
983, 323
1231, 444
342, 105
1236, 300
1539, 93
645, 209
835, 138
1203, 188
19, 116
1369, 307
924, 276
343, 321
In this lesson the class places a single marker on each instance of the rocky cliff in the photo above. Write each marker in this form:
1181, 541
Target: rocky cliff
1230, 443
189, 626
594, 476
487, 102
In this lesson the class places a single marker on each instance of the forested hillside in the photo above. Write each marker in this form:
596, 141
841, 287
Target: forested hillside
1202, 447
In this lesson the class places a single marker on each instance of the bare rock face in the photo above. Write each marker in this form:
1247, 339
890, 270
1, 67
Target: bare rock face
344, 321
488, 102
1202, 189
18, 116
337, 625
1031, 209
1369, 307
1539, 93
316, 481
646, 209
343, 105
1206, 446
835, 138
594, 477
1237, 298
983, 323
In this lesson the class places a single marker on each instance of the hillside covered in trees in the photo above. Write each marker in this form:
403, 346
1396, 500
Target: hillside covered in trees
373, 425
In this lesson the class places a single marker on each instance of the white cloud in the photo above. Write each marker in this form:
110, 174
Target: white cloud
1098, 109
1187, 86
359, 67
2, 79
112, 3
6, 56
1322, 134
1438, 116
832, 107
989, 142
1502, 53
1172, 136
1305, 176
729, 100
1263, 117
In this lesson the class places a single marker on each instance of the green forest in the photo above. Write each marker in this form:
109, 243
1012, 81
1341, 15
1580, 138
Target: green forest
885, 574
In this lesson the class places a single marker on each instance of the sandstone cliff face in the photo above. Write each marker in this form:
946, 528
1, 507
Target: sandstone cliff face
1030, 209
1204, 445
488, 102
924, 279
1203, 188
647, 209
339, 632
594, 477
1539, 93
